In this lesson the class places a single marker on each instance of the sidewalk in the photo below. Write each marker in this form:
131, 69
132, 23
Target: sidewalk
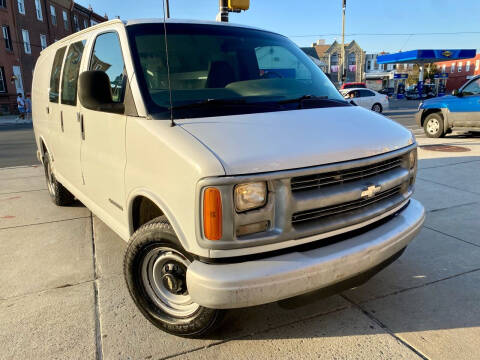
62, 293
14, 120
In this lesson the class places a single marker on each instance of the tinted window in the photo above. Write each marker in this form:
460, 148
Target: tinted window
365, 93
107, 57
70, 73
55, 75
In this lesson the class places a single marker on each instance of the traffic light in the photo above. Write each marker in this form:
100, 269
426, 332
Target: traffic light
238, 5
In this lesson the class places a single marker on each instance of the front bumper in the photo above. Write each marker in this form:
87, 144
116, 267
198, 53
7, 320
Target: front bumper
418, 117
225, 286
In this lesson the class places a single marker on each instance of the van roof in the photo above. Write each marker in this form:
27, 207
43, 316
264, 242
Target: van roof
185, 21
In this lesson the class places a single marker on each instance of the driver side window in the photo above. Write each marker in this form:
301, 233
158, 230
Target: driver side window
278, 62
107, 56
473, 88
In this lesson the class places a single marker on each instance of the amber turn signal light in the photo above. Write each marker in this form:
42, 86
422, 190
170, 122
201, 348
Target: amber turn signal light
212, 214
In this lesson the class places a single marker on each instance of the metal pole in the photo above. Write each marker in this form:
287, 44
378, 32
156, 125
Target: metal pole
223, 5
344, 5
167, 6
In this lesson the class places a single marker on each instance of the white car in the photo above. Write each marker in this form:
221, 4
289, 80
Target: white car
235, 170
367, 98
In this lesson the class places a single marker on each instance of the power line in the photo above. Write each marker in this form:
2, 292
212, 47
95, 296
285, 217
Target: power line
389, 34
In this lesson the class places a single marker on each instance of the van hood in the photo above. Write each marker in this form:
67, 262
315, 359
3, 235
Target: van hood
283, 140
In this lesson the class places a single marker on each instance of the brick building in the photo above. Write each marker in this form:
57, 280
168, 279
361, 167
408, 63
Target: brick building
459, 71
28, 26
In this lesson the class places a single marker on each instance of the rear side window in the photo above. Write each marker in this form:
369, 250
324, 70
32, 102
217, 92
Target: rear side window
55, 75
365, 93
70, 73
107, 56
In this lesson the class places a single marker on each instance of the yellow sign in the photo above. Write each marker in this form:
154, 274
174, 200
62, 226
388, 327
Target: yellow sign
238, 4
447, 53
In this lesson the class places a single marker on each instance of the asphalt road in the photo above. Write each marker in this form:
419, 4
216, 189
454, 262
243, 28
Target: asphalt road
17, 145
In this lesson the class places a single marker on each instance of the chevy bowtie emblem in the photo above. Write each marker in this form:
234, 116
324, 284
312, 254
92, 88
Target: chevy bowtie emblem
447, 53
370, 191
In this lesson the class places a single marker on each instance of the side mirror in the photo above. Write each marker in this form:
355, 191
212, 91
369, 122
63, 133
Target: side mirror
95, 93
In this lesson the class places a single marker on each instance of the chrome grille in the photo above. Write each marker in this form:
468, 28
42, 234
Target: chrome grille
316, 181
328, 211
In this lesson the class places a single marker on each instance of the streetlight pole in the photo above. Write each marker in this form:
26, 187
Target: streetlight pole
344, 5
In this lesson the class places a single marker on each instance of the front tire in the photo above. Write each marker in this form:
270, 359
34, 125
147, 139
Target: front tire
433, 126
155, 268
377, 108
58, 193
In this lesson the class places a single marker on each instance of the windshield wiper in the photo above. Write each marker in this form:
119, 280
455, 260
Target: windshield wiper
323, 100
210, 102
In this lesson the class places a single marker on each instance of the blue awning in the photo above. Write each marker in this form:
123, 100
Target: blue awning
426, 56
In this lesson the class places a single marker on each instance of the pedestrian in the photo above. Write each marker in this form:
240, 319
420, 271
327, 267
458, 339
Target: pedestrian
21, 106
28, 106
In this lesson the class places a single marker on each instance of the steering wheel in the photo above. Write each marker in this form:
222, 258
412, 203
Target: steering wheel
269, 74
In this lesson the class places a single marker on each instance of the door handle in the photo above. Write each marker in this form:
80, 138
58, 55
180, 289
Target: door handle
61, 120
82, 126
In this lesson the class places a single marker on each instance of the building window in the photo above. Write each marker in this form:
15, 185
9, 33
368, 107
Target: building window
85, 23
53, 14
3, 83
443, 68
21, 6
477, 65
452, 67
7, 38
26, 41
65, 20
460, 64
75, 23
467, 67
43, 41
3, 3
38, 9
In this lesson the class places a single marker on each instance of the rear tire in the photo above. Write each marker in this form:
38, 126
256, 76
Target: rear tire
154, 267
433, 126
377, 108
58, 193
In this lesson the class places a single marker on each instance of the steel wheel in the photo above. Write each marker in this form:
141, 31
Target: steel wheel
163, 273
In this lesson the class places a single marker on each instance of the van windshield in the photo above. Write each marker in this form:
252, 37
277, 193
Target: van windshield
224, 70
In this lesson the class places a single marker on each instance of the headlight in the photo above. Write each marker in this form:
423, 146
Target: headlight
412, 159
250, 196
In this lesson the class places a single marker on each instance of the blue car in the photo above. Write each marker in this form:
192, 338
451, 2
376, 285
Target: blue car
459, 111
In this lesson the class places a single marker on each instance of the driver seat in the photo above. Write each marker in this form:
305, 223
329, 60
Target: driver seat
220, 74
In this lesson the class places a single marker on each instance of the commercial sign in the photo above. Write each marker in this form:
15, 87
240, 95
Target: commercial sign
400, 76
441, 76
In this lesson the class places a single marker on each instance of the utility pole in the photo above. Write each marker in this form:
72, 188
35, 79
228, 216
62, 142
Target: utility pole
167, 8
342, 76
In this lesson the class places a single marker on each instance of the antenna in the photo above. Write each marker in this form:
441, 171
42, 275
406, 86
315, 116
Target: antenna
172, 123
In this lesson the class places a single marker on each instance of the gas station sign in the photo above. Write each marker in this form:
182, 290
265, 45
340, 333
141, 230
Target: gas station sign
400, 76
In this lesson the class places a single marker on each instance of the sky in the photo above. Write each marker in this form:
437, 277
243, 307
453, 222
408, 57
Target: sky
305, 21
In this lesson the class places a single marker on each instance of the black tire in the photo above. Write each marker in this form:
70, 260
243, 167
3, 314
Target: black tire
58, 193
159, 236
377, 108
433, 126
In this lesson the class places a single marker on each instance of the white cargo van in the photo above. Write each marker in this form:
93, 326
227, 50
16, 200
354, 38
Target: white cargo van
229, 162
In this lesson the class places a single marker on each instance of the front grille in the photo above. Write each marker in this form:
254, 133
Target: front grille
316, 181
329, 211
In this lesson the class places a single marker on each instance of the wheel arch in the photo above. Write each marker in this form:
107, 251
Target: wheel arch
440, 111
43, 147
143, 206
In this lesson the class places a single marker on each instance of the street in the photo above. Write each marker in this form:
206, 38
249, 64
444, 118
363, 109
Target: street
63, 295
17, 145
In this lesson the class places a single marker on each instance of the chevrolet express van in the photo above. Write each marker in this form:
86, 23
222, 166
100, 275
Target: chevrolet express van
229, 162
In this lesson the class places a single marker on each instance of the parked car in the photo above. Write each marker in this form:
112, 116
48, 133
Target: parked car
389, 91
367, 98
235, 170
461, 110
351, 85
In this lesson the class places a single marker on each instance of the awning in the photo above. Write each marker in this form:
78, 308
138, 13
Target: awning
426, 56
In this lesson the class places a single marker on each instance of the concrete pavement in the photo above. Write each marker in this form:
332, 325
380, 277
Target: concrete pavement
62, 293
